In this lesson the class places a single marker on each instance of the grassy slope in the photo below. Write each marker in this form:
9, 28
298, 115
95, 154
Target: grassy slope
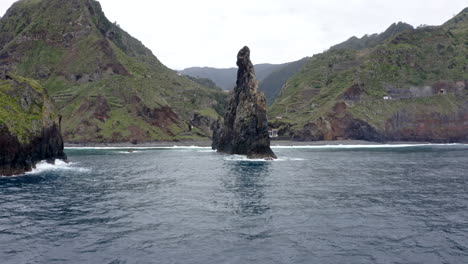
79, 55
412, 59
272, 84
24, 107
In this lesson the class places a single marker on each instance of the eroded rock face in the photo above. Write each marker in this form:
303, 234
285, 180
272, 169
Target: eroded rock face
18, 158
245, 127
405, 125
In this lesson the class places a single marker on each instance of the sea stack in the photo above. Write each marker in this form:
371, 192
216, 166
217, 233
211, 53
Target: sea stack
245, 128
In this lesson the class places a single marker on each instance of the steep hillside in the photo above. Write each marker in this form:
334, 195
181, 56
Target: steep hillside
29, 126
370, 41
107, 85
413, 87
226, 77
272, 84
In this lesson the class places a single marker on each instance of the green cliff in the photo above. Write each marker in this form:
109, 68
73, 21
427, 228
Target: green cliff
412, 86
106, 84
29, 125
272, 84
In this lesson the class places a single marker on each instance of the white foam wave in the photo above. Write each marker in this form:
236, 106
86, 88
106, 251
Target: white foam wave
141, 148
364, 146
59, 165
292, 159
337, 146
244, 158
128, 152
206, 150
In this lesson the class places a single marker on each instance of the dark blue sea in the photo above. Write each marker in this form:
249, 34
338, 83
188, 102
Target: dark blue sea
316, 204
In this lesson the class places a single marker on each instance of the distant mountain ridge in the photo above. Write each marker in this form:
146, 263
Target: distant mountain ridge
222, 77
370, 41
226, 77
271, 77
107, 85
272, 84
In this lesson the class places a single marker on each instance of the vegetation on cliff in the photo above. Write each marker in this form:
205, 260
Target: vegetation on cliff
370, 41
107, 85
272, 84
24, 107
29, 125
413, 86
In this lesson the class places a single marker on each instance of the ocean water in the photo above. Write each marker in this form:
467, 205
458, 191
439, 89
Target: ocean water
316, 204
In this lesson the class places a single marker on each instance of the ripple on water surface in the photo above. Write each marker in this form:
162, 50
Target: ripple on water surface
316, 204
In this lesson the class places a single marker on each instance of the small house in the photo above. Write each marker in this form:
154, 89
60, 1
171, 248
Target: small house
273, 133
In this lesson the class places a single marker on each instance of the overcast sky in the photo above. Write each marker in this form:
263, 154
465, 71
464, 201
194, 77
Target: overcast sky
187, 33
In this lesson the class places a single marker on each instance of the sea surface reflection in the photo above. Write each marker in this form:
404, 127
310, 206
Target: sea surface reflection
247, 182
193, 205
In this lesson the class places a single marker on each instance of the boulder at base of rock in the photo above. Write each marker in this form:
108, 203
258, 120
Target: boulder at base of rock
245, 128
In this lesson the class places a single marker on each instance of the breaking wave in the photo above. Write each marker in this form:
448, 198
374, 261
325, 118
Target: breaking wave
59, 165
141, 148
128, 152
208, 149
244, 158
363, 146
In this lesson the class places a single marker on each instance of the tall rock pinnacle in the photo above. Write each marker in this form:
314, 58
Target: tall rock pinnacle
245, 128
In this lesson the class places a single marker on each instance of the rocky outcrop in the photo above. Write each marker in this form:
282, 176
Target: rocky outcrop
18, 158
245, 128
428, 125
29, 127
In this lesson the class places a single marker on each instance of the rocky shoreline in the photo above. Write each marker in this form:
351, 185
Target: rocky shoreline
207, 143
17, 158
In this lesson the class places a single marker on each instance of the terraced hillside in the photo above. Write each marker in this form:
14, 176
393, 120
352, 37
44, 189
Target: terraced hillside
413, 87
106, 84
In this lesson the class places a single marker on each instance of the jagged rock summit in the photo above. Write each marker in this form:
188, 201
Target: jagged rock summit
245, 128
